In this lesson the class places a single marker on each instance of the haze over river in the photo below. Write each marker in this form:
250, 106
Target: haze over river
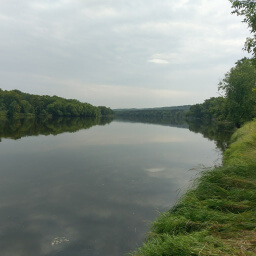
93, 191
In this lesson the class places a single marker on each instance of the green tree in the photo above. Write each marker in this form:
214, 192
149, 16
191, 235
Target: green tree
195, 112
211, 109
26, 108
17, 103
14, 108
247, 9
106, 111
239, 88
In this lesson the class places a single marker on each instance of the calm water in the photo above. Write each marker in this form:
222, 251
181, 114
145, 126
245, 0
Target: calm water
94, 191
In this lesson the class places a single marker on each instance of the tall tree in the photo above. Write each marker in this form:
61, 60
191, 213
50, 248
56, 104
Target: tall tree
247, 9
239, 88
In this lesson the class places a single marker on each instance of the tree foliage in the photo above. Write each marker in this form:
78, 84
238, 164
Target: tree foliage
211, 109
247, 9
17, 103
238, 102
106, 111
239, 88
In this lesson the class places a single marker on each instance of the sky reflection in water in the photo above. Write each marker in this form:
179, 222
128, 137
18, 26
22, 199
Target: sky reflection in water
95, 191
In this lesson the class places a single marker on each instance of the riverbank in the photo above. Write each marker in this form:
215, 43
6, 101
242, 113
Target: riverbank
217, 216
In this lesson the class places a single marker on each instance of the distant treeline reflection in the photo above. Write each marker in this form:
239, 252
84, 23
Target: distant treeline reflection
219, 132
154, 120
18, 128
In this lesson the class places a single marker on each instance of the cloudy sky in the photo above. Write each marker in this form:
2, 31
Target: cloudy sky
119, 53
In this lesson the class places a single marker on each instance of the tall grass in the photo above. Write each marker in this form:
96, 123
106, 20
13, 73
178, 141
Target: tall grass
217, 216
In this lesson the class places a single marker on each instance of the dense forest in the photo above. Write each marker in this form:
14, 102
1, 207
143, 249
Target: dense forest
17, 104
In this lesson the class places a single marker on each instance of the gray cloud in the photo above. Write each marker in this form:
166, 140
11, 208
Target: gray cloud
111, 47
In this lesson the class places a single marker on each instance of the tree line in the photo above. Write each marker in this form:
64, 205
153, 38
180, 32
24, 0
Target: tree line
15, 103
164, 115
237, 103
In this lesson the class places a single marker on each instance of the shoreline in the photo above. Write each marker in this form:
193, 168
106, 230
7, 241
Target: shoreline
217, 216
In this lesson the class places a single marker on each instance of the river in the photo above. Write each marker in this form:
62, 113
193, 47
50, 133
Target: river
93, 191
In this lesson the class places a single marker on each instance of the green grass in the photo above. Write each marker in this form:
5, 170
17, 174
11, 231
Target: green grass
217, 216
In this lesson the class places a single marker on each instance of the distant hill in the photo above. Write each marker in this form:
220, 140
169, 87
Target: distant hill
163, 115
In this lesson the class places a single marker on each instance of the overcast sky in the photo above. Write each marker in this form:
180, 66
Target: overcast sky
119, 53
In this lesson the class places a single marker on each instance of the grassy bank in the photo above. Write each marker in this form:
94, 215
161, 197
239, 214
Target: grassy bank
217, 216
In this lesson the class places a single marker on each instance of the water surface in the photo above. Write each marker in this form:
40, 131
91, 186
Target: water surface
94, 191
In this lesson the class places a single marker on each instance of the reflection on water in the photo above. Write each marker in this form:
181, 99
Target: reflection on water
220, 133
17, 128
92, 192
